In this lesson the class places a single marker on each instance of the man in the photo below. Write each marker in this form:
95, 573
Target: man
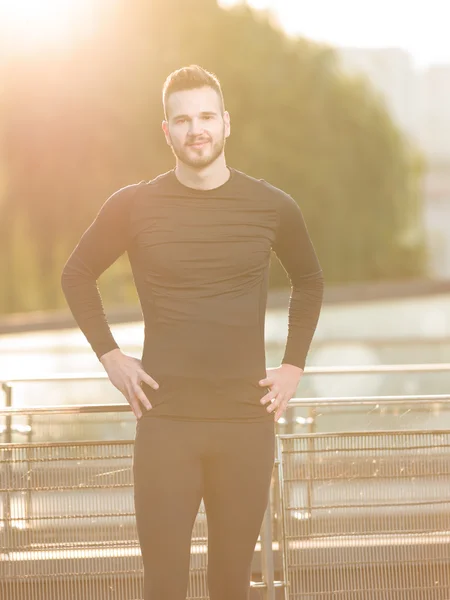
199, 241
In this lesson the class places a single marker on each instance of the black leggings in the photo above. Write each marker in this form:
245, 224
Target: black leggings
177, 463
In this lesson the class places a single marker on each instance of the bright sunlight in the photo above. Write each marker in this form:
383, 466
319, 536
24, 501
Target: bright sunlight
33, 25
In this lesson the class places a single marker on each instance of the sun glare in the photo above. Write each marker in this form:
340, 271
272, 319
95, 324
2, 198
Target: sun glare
30, 25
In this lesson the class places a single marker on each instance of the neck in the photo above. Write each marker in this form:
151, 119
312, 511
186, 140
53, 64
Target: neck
208, 178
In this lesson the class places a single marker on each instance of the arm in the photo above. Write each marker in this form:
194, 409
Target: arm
99, 247
102, 244
295, 250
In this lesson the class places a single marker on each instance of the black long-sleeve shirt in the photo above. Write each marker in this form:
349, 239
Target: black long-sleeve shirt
200, 261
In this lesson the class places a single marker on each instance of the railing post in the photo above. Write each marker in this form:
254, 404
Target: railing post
8, 391
267, 564
282, 542
312, 416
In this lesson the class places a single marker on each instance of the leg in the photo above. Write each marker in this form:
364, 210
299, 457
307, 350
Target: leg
167, 494
237, 486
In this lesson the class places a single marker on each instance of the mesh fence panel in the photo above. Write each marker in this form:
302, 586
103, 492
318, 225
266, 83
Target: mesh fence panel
67, 524
366, 515
363, 516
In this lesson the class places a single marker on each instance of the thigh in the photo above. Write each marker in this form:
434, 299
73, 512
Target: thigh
167, 493
237, 487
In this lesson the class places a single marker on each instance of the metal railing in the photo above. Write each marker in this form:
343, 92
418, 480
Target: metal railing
313, 404
352, 515
67, 525
365, 515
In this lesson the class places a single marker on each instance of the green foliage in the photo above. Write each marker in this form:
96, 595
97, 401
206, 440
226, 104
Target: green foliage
22, 286
78, 127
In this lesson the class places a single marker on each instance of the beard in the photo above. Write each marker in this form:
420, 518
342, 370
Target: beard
199, 159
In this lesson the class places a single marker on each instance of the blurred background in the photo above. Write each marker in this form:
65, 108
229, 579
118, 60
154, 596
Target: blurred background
343, 104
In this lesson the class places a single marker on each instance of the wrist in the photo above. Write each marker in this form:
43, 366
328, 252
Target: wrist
293, 367
106, 358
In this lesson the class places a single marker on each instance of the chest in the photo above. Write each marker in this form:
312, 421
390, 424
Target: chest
208, 238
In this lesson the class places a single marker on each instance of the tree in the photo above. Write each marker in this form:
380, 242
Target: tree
76, 128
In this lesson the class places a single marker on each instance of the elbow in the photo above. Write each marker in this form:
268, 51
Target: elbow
68, 273
75, 273
321, 279
310, 286
318, 283
313, 280
65, 278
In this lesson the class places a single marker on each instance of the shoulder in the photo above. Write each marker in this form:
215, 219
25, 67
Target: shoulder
159, 181
264, 188
122, 201
123, 195
123, 198
126, 193
118, 205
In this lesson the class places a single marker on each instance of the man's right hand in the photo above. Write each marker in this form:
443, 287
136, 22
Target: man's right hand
126, 374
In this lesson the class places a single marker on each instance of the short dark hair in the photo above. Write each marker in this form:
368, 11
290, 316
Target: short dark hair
190, 78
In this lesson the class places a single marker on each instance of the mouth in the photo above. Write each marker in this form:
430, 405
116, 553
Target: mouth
198, 144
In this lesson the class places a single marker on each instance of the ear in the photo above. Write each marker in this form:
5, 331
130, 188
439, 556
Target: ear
227, 121
165, 128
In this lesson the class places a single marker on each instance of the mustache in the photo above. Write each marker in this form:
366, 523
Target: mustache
197, 141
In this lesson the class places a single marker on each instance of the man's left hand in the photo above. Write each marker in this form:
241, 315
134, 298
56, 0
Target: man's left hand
282, 383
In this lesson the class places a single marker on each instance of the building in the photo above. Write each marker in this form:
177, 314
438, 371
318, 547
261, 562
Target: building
434, 117
391, 72
419, 102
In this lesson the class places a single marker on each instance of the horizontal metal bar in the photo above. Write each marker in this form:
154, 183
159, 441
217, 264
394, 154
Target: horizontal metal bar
294, 402
69, 409
332, 370
369, 369
357, 434
370, 400
370, 540
57, 377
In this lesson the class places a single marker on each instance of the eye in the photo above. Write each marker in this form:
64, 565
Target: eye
178, 121
207, 117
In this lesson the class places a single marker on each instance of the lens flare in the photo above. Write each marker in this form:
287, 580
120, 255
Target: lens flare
30, 25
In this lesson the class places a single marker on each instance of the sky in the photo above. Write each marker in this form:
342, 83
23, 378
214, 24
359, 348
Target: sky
31, 25
418, 26
421, 27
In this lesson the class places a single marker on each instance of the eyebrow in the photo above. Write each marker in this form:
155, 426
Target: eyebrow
202, 114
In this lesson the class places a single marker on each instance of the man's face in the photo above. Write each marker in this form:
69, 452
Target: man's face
195, 128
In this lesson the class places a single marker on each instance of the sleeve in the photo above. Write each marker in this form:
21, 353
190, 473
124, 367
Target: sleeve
100, 246
294, 249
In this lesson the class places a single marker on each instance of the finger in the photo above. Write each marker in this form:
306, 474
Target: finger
269, 396
135, 407
279, 412
149, 380
266, 381
133, 396
276, 403
140, 395
282, 408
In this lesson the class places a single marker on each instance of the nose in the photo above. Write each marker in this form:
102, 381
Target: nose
195, 127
